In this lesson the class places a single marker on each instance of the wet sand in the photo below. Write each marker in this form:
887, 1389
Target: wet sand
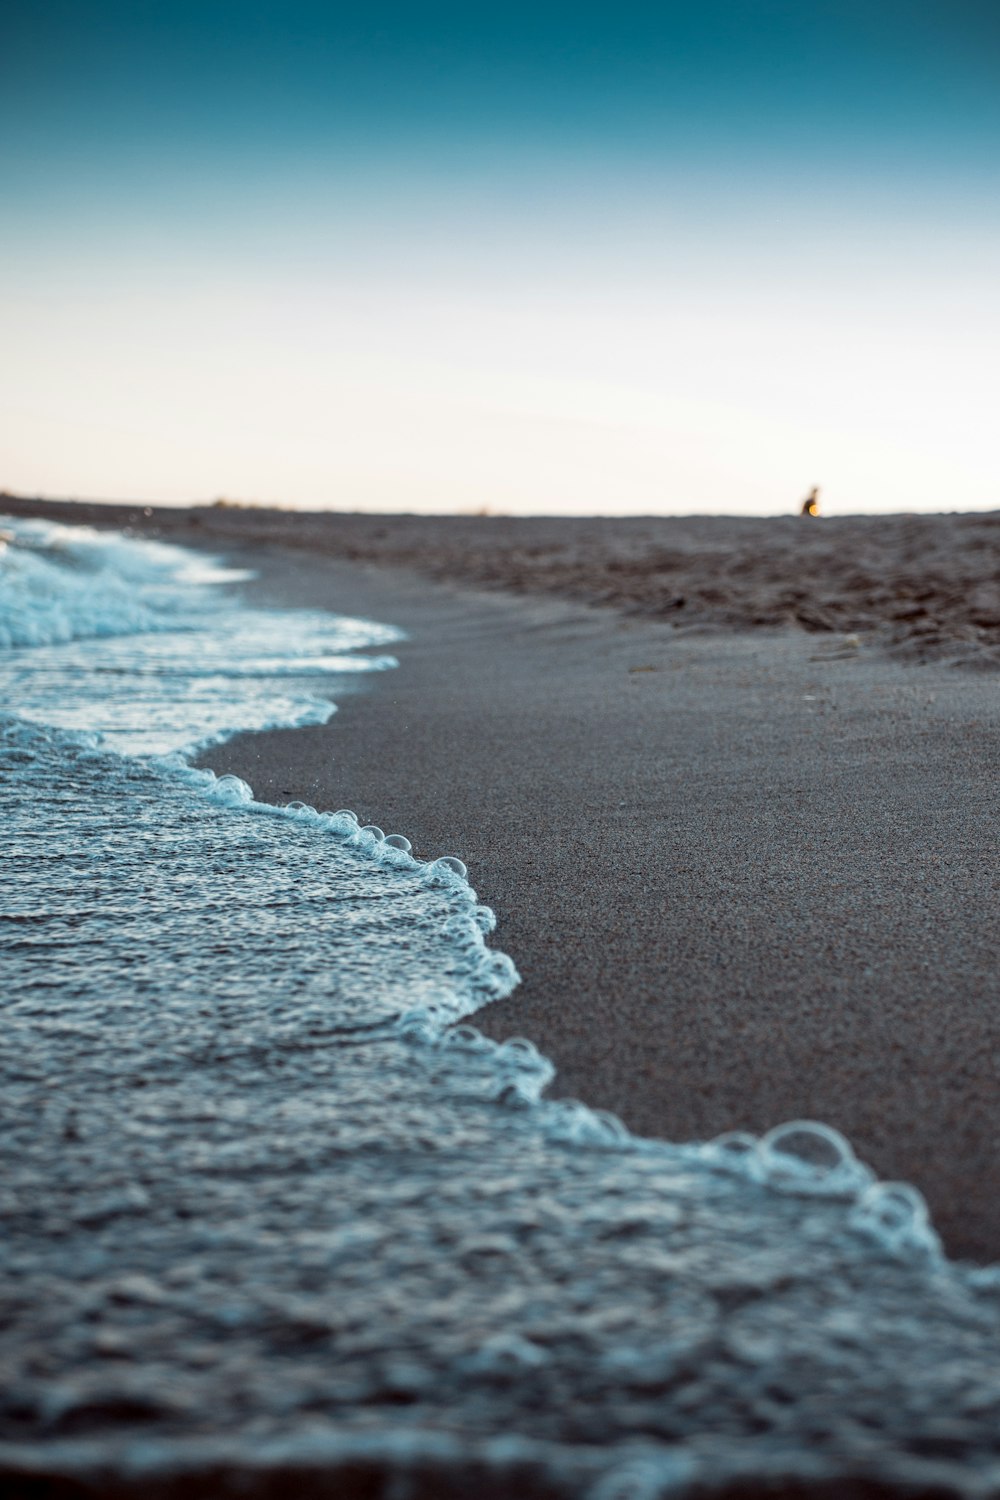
746, 867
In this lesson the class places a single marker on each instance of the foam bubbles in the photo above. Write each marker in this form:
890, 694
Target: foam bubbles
733, 1146
569, 1120
520, 1053
806, 1156
467, 1039
895, 1213
232, 791
418, 1026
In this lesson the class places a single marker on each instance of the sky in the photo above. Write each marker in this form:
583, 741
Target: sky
549, 257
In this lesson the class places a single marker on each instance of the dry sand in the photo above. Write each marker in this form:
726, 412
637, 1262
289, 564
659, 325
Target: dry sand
747, 874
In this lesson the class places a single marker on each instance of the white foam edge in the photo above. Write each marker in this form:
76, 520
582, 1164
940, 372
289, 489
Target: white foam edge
494, 973
895, 1215
313, 711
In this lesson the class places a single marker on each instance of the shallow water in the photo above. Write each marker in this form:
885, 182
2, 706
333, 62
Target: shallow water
254, 1187
131, 640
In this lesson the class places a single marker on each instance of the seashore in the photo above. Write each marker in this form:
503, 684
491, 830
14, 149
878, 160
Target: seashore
747, 874
735, 869
746, 878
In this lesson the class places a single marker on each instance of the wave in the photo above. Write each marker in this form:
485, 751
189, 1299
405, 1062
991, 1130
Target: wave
137, 640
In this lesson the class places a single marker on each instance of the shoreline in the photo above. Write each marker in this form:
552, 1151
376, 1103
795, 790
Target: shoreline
924, 587
680, 833
742, 887
747, 876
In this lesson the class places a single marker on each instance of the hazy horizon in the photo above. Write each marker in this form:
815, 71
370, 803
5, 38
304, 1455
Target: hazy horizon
143, 505
673, 259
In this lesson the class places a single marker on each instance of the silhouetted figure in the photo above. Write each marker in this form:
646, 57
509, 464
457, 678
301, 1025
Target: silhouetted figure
810, 505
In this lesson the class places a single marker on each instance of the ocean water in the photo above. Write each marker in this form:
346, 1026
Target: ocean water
269, 1200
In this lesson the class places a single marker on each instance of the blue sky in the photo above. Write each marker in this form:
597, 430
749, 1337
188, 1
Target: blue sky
542, 258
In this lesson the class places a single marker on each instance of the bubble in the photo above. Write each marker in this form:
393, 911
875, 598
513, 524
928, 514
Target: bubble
345, 812
343, 824
516, 1096
450, 862
397, 841
417, 1026
300, 807
467, 1038
500, 973
521, 1052
896, 1214
375, 831
611, 1127
808, 1156
233, 791
733, 1145
570, 1120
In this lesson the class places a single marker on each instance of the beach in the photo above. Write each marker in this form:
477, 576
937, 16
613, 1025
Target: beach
325, 1165
745, 861
500, 754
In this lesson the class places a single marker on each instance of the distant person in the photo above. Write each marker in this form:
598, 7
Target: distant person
810, 505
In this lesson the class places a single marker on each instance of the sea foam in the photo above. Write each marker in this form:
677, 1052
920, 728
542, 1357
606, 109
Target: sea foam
134, 640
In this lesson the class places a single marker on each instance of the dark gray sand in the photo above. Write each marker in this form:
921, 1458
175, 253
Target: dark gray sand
746, 877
